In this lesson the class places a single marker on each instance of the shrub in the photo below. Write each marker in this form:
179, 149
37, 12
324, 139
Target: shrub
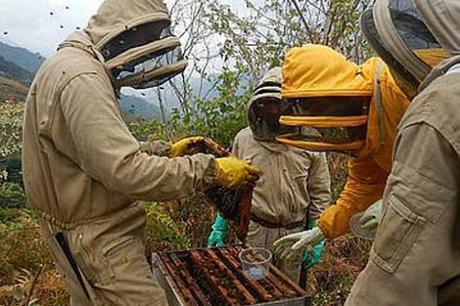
11, 114
220, 118
12, 196
162, 232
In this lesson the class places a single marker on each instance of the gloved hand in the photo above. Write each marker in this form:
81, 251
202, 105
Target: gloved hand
372, 216
292, 246
219, 231
310, 259
179, 148
233, 173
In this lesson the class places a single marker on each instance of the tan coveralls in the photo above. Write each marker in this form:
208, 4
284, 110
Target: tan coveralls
415, 259
294, 181
84, 172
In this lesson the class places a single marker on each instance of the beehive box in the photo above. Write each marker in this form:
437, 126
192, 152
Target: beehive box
214, 276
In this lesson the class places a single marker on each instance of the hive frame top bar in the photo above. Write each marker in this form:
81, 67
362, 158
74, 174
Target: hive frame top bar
180, 283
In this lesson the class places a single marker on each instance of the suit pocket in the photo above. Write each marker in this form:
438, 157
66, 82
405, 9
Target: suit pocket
126, 256
397, 232
87, 260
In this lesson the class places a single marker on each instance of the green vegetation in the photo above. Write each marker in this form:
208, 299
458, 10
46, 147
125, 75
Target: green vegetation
11, 90
220, 118
15, 72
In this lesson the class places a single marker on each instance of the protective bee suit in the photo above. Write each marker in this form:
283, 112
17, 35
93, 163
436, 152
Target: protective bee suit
295, 187
84, 171
415, 259
356, 110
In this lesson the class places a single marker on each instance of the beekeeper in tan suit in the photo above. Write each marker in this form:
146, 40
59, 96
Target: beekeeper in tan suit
415, 259
295, 188
83, 169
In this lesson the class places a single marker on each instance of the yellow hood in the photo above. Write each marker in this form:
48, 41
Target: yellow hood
328, 73
314, 71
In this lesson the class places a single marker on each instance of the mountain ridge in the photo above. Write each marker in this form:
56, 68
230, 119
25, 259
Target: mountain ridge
22, 57
13, 71
18, 67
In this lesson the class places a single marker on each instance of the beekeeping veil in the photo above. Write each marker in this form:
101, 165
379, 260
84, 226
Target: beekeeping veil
330, 98
135, 42
442, 18
399, 34
265, 107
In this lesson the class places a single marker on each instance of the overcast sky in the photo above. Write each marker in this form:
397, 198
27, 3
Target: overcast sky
36, 24
40, 25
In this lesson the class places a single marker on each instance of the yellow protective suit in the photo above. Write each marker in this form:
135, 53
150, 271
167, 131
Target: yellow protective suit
318, 71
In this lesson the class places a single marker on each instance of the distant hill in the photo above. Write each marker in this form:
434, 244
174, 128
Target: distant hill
13, 71
137, 108
12, 90
132, 107
21, 57
17, 70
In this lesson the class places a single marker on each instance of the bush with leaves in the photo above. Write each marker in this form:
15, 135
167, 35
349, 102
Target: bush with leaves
12, 196
162, 232
11, 114
24, 254
220, 118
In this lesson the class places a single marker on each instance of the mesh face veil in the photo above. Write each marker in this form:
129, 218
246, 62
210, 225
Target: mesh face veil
400, 36
405, 80
144, 56
328, 100
266, 107
264, 115
327, 123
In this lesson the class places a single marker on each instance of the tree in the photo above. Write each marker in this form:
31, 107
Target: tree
229, 51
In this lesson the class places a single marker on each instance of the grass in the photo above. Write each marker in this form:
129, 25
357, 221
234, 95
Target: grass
24, 253
12, 90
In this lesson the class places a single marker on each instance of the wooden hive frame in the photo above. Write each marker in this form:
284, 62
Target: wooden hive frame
239, 223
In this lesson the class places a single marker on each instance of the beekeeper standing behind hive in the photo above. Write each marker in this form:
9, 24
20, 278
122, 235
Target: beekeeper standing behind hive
295, 184
84, 171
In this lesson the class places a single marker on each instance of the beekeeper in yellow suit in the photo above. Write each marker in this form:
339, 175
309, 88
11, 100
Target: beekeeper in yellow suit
356, 110
84, 171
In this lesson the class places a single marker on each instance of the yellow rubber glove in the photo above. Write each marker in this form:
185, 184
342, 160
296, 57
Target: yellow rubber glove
179, 148
233, 173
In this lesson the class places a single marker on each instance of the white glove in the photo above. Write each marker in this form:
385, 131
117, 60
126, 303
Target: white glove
372, 216
291, 246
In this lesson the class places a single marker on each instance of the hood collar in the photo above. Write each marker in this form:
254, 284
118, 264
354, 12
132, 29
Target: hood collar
319, 71
82, 41
439, 71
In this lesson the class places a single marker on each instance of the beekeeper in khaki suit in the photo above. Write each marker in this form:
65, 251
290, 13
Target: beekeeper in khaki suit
415, 259
83, 169
295, 185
